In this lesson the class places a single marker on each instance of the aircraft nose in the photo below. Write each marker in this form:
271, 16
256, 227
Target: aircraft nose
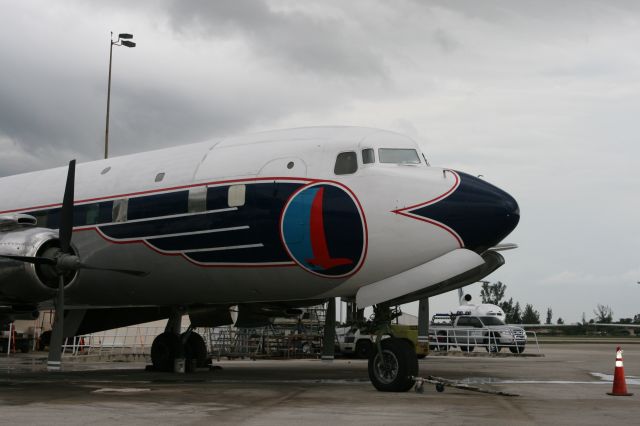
480, 213
485, 214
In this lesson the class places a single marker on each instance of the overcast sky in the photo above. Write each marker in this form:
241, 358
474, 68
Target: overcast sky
540, 97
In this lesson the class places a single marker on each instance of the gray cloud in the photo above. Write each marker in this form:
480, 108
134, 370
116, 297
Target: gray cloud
310, 42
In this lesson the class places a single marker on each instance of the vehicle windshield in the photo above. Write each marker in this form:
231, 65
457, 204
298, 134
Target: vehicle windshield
398, 156
491, 321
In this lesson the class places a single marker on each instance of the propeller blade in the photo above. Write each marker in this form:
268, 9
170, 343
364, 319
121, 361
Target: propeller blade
121, 271
30, 259
66, 213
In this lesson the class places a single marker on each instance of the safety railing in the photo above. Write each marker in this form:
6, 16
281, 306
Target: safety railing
467, 339
226, 341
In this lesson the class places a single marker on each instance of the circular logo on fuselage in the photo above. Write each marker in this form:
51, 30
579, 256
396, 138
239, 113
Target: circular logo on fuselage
324, 230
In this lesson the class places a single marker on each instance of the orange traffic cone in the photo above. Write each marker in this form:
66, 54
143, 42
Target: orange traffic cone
619, 383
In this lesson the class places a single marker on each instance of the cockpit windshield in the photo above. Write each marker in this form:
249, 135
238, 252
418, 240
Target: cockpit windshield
491, 321
398, 156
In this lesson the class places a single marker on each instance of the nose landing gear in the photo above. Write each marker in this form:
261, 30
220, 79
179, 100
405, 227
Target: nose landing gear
393, 364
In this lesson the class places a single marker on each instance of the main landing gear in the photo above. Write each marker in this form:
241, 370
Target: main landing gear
393, 364
171, 346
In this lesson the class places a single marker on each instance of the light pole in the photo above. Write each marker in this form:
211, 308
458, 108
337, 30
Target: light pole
123, 40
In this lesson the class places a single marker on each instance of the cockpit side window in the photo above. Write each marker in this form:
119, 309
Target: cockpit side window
346, 163
398, 156
368, 156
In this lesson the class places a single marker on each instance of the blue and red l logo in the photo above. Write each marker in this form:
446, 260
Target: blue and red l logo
323, 230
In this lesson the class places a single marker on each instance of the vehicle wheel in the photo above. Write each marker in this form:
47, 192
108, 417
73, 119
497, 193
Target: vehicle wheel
516, 349
491, 345
164, 350
195, 348
363, 349
393, 369
45, 339
442, 339
467, 348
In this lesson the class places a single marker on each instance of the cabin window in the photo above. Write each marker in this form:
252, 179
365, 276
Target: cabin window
368, 156
346, 163
217, 197
158, 205
51, 218
398, 156
198, 199
92, 214
159, 177
119, 210
236, 195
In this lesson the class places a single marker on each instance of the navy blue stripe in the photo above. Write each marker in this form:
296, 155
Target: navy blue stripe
264, 203
246, 255
200, 241
173, 225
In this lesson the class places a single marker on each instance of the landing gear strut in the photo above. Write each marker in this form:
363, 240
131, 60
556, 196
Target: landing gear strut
393, 363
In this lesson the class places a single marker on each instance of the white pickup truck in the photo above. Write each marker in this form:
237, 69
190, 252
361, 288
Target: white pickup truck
470, 326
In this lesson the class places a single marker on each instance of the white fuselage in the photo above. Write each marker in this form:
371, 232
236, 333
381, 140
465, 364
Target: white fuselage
257, 218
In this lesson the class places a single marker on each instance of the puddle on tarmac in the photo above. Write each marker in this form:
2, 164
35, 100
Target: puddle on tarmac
121, 390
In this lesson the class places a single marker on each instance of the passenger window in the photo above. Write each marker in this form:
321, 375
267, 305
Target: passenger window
167, 204
346, 163
198, 199
119, 212
368, 156
236, 195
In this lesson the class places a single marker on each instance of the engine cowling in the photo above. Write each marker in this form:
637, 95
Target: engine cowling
26, 282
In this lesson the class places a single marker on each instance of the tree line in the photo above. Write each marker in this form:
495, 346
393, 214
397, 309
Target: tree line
494, 293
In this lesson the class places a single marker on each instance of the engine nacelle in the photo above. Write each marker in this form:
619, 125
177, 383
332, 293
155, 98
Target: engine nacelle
25, 282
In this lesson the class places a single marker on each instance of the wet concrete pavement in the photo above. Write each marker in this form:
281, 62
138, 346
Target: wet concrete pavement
567, 386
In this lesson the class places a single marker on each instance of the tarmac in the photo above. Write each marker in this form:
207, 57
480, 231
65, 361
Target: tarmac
566, 386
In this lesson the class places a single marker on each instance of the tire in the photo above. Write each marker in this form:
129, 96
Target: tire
394, 369
166, 347
363, 348
45, 339
467, 348
195, 348
442, 339
516, 349
492, 345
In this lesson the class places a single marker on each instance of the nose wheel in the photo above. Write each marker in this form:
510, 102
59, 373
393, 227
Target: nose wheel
393, 366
